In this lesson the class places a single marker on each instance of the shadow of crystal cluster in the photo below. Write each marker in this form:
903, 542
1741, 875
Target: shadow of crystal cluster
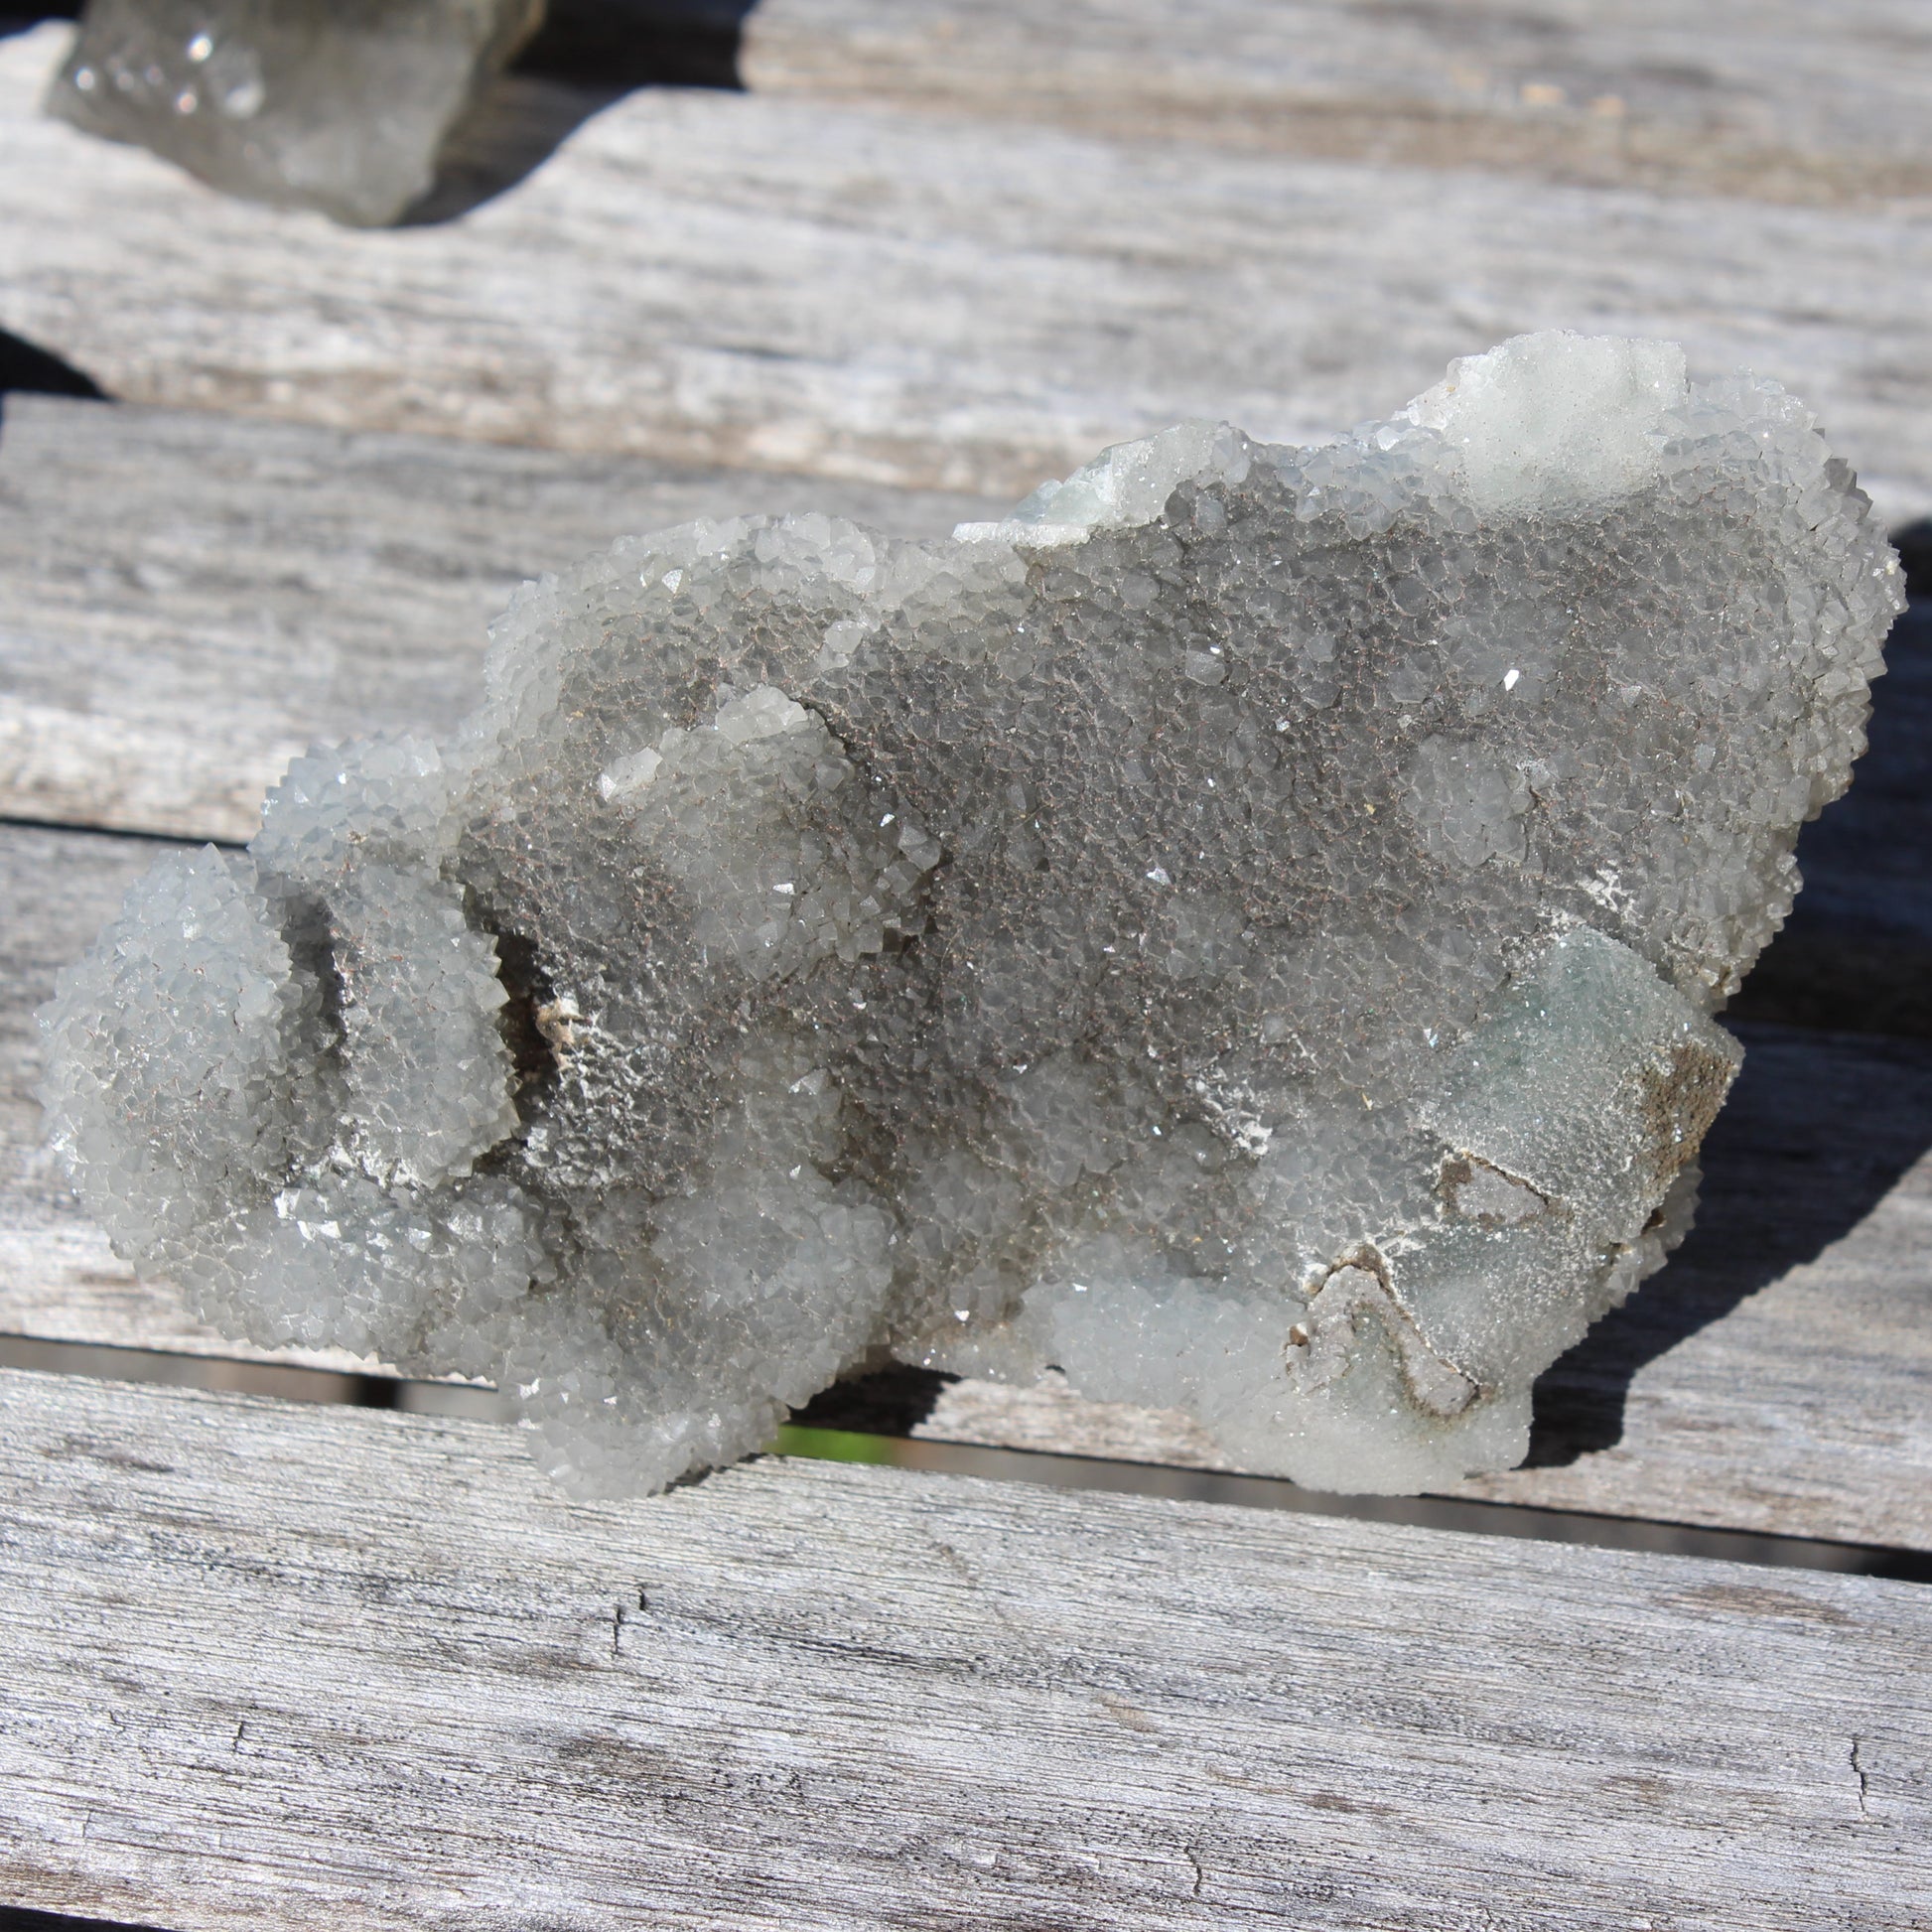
1243, 931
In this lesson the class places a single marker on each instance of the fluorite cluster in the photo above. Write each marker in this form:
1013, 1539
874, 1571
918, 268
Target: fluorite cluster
1242, 930
340, 105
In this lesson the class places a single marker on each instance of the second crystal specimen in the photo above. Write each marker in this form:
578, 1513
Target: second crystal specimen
340, 105
1243, 931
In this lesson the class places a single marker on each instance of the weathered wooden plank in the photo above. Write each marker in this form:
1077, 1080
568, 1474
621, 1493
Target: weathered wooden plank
1780, 100
706, 277
186, 601
1772, 1379
368, 1670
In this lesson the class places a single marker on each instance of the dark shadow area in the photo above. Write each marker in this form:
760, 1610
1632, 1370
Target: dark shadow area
1817, 1130
587, 54
893, 1402
1855, 955
1914, 546
625, 44
30, 370
18, 20
18, 1918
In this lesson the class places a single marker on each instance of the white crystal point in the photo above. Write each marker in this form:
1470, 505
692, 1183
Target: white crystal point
1557, 421
1243, 931
1125, 484
339, 105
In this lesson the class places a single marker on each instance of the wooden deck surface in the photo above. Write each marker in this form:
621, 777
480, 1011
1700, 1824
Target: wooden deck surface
291, 1666
937, 301
363, 1670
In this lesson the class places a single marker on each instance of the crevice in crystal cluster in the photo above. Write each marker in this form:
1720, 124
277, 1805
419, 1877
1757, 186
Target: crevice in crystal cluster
1242, 931
532, 1030
1323, 1344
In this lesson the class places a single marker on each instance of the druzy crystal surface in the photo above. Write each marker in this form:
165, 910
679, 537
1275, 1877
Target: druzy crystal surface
340, 105
1242, 931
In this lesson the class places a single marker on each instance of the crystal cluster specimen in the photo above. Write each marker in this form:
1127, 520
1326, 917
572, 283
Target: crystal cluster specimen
1243, 931
340, 105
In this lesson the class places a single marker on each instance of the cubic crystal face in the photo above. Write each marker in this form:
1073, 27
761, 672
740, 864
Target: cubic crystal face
1243, 931
340, 105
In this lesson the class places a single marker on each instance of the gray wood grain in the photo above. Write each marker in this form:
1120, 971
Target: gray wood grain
1769, 98
186, 601
927, 299
363, 1670
1772, 1379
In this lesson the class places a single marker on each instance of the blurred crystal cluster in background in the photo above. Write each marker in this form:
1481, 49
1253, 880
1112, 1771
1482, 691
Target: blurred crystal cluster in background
340, 105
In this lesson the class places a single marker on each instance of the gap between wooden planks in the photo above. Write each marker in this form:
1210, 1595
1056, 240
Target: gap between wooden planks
368, 1670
